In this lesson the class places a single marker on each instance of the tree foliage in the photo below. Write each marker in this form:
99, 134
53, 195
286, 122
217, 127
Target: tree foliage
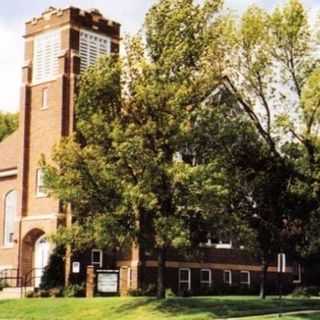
8, 124
133, 171
271, 69
207, 119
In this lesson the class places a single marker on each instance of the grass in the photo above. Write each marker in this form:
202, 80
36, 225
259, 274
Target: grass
204, 308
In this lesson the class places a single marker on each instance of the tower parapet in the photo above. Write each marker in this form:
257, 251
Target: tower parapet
77, 18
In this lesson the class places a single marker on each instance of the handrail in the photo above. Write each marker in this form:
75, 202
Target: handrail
9, 274
20, 281
30, 275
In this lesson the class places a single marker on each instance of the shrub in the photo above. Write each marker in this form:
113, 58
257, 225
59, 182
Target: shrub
30, 294
185, 293
45, 293
306, 291
170, 293
135, 292
74, 290
148, 291
53, 276
56, 292
3, 284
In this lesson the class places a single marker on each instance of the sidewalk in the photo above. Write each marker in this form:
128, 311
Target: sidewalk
276, 314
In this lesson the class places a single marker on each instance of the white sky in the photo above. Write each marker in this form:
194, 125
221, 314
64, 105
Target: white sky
130, 13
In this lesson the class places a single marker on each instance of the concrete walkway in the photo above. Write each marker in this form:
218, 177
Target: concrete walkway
271, 315
14, 293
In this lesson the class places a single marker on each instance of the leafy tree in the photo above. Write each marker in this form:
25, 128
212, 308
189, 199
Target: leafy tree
8, 124
133, 171
271, 69
157, 154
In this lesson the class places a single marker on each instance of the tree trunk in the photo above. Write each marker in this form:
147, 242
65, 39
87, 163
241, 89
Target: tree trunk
68, 253
263, 280
67, 266
161, 272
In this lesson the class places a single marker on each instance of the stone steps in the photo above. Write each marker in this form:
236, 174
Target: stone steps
14, 293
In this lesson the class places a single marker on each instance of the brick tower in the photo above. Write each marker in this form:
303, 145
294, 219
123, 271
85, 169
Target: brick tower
58, 46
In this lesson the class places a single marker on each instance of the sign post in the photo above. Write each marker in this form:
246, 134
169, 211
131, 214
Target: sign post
281, 268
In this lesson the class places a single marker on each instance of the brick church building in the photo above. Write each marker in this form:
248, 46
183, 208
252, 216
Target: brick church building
59, 44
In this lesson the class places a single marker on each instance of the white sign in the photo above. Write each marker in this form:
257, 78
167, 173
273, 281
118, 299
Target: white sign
107, 282
75, 267
281, 262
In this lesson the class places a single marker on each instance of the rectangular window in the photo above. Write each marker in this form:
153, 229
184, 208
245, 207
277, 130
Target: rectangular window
97, 257
297, 274
227, 277
129, 280
41, 191
10, 211
92, 46
184, 279
218, 242
45, 56
223, 244
205, 278
44, 104
245, 278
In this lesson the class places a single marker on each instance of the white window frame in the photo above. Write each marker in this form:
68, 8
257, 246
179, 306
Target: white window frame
219, 245
100, 263
41, 192
223, 245
92, 46
299, 275
46, 63
45, 98
248, 283
129, 278
185, 281
206, 282
230, 277
8, 240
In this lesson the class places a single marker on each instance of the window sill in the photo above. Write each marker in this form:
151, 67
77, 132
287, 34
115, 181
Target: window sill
40, 196
7, 246
297, 281
222, 246
216, 246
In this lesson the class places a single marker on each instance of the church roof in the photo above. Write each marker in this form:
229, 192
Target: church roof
9, 152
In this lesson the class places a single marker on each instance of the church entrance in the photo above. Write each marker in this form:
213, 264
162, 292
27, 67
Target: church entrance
41, 259
35, 257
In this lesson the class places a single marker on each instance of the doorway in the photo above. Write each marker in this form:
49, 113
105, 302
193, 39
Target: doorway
41, 259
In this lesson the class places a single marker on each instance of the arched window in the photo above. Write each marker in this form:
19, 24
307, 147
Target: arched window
10, 210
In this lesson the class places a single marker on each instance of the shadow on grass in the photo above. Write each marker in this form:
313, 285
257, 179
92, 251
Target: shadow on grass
217, 307
315, 316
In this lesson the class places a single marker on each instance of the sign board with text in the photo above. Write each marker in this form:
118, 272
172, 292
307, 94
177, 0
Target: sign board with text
107, 281
75, 267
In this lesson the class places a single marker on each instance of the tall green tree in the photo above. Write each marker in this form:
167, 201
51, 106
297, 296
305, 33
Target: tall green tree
8, 124
270, 68
133, 170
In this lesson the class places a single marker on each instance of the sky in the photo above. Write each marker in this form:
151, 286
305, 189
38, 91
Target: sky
130, 13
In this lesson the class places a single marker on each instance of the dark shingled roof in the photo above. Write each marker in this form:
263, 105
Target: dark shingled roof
9, 152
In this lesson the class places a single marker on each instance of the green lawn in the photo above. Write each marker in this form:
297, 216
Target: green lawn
204, 308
